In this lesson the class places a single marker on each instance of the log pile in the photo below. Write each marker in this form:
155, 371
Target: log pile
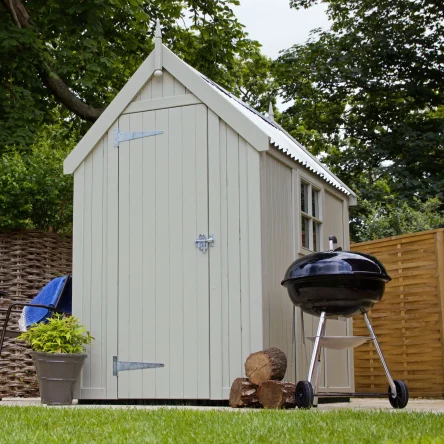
243, 394
263, 386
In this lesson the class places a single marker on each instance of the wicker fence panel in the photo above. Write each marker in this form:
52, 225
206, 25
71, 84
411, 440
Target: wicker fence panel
28, 260
409, 320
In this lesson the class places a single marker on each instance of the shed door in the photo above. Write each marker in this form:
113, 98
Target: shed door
163, 313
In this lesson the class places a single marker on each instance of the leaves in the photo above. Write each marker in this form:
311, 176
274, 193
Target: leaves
397, 218
367, 94
34, 192
95, 47
59, 335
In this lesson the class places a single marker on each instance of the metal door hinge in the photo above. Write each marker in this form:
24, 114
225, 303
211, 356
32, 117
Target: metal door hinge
121, 366
122, 137
202, 242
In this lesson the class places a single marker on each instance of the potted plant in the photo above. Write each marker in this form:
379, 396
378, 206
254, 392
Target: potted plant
59, 347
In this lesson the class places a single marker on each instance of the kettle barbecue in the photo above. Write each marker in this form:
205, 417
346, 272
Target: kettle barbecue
336, 284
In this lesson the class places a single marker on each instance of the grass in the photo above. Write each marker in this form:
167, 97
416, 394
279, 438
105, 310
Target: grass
101, 425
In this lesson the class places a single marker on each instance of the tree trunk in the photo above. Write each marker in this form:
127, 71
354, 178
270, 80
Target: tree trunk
65, 96
50, 79
243, 394
266, 365
18, 12
277, 395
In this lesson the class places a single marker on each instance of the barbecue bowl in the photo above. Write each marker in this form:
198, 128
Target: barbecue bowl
340, 283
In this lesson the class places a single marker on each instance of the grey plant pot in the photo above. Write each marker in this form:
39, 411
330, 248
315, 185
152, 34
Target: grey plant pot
58, 374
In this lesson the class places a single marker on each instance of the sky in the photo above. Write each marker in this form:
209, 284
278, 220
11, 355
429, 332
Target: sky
276, 26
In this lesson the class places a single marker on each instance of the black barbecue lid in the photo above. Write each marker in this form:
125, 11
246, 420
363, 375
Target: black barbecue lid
336, 263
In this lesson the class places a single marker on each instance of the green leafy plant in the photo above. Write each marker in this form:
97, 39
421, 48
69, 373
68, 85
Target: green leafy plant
59, 335
357, 97
79, 54
385, 219
34, 192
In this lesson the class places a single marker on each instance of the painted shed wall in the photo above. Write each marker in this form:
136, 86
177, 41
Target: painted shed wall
164, 86
241, 321
163, 277
279, 252
281, 230
234, 216
235, 259
95, 264
95, 250
253, 213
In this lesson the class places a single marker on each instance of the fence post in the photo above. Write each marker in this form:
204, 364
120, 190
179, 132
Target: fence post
439, 239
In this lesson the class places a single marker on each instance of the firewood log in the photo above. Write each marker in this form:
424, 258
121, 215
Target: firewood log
270, 364
243, 394
277, 395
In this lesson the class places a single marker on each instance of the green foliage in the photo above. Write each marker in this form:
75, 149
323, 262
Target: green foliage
315, 116
253, 82
95, 46
369, 94
396, 218
34, 192
59, 335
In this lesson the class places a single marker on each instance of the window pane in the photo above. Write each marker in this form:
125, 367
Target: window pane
305, 232
316, 236
315, 203
304, 197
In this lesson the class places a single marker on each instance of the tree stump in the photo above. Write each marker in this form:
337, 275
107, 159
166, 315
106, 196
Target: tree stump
243, 394
270, 364
277, 395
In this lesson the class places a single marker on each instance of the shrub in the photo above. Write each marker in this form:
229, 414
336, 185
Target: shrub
59, 335
397, 218
34, 192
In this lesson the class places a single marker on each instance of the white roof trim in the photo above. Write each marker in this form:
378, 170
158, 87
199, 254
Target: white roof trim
284, 141
197, 84
108, 117
192, 80
255, 128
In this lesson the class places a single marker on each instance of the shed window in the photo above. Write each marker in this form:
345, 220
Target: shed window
304, 197
311, 217
305, 224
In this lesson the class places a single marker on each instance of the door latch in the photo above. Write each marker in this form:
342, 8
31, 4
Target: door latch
202, 242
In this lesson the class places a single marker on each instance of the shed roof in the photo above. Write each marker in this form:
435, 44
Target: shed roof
281, 139
254, 127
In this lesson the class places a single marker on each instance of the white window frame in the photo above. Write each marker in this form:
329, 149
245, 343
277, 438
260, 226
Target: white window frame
312, 185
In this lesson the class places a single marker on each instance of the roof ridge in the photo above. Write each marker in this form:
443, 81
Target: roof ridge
277, 126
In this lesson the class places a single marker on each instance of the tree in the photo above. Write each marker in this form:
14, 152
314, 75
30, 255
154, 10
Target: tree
62, 64
34, 192
253, 82
79, 53
369, 94
394, 219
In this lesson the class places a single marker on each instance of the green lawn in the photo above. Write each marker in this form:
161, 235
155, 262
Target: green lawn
99, 425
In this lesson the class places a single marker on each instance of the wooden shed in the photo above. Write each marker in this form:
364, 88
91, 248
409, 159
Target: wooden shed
216, 170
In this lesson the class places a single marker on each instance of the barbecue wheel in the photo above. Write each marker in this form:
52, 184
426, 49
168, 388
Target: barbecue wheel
304, 395
402, 395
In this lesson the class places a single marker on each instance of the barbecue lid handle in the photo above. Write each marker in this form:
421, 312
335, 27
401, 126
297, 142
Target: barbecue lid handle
332, 242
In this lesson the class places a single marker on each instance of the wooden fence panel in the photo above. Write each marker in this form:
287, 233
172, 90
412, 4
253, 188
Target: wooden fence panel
28, 260
408, 322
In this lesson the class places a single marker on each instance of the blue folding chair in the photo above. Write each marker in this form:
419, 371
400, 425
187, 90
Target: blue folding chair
55, 296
